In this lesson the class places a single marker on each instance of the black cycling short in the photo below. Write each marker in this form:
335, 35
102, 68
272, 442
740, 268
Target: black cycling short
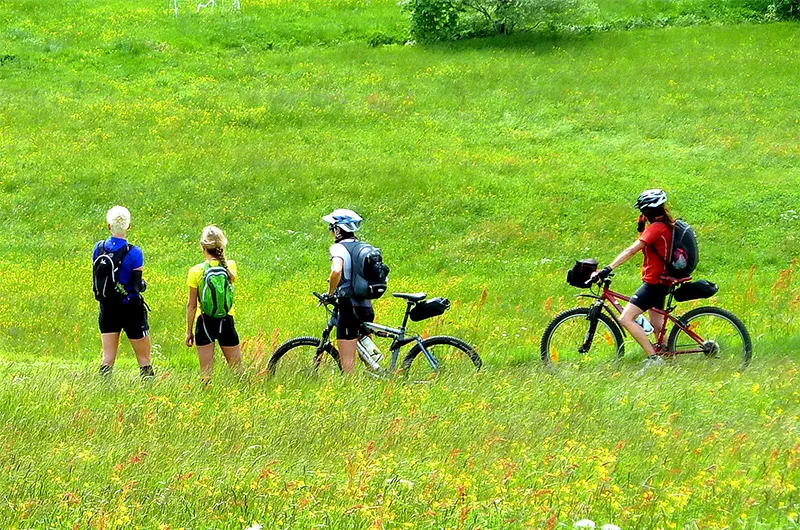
132, 317
348, 326
222, 330
649, 296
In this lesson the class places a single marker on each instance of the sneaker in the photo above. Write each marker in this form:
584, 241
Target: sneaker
650, 362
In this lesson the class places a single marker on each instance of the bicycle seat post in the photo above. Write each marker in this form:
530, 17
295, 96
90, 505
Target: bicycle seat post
409, 306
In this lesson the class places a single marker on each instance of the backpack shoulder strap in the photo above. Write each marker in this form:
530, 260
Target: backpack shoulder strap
655, 251
121, 253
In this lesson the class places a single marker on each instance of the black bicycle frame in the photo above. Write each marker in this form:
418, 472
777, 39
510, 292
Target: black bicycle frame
398, 336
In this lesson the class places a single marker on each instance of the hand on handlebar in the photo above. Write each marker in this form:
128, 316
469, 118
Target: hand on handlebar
599, 276
327, 299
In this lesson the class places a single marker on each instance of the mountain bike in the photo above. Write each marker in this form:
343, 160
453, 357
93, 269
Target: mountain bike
426, 358
594, 333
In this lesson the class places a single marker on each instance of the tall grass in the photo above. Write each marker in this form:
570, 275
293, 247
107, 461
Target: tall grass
512, 448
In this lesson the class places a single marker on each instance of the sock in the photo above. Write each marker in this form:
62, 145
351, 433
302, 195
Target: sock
146, 371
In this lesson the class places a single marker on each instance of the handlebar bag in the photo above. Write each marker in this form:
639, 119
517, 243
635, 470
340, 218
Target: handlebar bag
429, 309
695, 290
581, 272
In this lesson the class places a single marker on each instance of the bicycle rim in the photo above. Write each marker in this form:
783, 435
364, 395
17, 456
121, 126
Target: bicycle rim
726, 343
298, 359
454, 358
566, 335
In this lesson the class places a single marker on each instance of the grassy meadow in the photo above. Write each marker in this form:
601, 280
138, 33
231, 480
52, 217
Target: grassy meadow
483, 168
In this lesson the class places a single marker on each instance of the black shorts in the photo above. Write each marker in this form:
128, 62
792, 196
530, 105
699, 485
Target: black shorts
132, 317
649, 296
222, 330
348, 327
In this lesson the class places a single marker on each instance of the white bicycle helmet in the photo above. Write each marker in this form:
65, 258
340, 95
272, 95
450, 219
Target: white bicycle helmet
347, 220
651, 199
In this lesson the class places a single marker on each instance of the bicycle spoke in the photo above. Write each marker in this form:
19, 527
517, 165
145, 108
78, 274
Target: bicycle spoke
301, 361
567, 335
452, 357
725, 343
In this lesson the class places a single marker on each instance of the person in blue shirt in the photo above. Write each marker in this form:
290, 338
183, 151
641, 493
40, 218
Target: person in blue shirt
126, 311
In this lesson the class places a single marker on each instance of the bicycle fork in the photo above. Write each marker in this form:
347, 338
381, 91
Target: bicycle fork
592, 317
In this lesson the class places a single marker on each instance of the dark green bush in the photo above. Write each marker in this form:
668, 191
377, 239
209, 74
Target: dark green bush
449, 19
433, 20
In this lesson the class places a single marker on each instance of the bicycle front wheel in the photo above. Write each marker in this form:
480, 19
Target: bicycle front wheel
302, 357
450, 356
724, 339
570, 340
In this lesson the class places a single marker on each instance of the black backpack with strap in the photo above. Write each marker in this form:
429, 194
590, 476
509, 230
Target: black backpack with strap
682, 257
105, 273
368, 273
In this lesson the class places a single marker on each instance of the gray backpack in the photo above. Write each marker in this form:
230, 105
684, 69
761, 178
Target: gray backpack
368, 274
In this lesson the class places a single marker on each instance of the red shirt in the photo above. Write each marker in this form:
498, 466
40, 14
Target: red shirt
656, 236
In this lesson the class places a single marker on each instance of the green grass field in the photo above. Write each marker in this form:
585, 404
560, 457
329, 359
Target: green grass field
483, 169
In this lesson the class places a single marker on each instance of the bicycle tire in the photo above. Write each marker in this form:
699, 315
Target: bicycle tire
472, 364
712, 342
550, 356
299, 342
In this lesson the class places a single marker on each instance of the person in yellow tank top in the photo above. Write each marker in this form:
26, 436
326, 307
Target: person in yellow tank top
203, 330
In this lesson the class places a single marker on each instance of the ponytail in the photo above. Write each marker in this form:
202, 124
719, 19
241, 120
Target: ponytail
214, 242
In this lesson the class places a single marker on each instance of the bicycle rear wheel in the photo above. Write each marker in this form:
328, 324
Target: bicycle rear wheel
453, 357
301, 357
569, 333
725, 340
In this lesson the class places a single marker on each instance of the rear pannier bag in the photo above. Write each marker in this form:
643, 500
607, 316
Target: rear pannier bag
581, 272
695, 290
429, 309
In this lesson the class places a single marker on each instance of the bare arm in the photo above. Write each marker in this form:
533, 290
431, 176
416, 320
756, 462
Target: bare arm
627, 254
191, 310
624, 256
337, 264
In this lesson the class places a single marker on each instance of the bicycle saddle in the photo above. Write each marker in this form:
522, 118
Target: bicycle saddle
411, 297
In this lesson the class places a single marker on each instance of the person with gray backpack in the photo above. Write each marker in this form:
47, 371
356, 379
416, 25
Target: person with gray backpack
358, 276
209, 311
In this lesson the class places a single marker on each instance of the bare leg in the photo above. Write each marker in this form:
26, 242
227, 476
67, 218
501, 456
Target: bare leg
657, 321
141, 347
233, 355
206, 356
110, 348
628, 321
347, 354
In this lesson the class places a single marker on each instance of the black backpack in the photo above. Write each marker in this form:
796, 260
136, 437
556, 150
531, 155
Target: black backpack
105, 274
683, 256
369, 273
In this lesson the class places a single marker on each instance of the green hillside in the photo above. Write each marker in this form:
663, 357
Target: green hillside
483, 165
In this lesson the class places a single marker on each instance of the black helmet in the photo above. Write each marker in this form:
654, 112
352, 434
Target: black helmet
651, 199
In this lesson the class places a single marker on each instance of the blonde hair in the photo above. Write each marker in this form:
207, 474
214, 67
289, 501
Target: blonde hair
119, 220
214, 242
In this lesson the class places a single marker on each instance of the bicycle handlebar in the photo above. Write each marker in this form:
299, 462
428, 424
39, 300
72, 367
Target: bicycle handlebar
598, 280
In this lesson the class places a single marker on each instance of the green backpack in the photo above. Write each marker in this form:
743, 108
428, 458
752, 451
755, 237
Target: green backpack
216, 296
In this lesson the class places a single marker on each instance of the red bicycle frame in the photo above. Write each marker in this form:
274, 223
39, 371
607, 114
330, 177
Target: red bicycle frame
613, 298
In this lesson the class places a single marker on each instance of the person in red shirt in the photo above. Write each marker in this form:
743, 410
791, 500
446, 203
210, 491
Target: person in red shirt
655, 240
